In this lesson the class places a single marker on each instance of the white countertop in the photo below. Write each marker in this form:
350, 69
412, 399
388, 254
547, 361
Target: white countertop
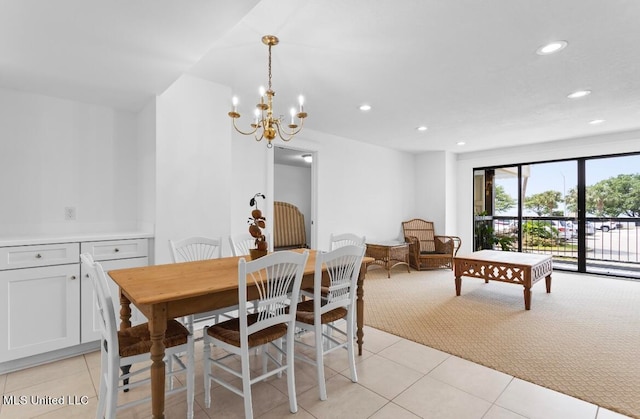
70, 238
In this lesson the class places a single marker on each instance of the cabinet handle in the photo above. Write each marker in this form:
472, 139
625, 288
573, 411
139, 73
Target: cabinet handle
38, 256
117, 250
87, 275
73, 277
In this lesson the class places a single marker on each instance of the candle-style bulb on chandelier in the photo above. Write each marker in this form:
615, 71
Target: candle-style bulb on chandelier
265, 125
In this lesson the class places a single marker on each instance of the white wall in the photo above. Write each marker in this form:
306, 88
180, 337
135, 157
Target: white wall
57, 153
147, 166
249, 168
363, 189
435, 191
578, 147
193, 165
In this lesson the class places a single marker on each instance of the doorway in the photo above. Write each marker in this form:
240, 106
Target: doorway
294, 182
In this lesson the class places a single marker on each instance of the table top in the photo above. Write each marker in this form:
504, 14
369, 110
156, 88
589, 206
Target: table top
513, 258
163, 283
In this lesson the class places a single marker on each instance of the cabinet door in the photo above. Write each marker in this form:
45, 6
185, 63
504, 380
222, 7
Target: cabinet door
40, 309
90, 326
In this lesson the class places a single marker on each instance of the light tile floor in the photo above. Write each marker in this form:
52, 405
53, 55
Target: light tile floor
397, 379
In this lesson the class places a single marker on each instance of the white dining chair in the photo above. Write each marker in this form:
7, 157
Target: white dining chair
241, 244
122, 348
193, 249
276, 280
333, 299
346, 239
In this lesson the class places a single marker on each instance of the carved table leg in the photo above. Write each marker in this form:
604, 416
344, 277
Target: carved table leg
360, 310
157, 328
527, 298
548, 281
458, 285
125, 312
125, 323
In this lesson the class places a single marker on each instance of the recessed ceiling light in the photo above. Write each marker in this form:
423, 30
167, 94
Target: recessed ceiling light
365, 108
578, 94
307, 158
422, 128
551, 48
461, 143
596, 121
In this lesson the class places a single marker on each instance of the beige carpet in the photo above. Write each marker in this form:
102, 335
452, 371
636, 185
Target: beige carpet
583, 339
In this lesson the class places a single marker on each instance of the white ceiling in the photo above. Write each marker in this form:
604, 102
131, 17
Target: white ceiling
465, 68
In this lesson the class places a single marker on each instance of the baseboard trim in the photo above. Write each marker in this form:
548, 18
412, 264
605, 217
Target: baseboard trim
40, 359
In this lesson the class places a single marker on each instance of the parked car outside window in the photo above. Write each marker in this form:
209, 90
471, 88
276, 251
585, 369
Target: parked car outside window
566, 230
589, 228
606, 226
505, 226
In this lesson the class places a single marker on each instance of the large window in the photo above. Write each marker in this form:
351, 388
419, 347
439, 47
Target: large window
585, 212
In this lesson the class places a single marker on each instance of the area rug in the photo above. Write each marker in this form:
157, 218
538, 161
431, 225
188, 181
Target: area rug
582, 339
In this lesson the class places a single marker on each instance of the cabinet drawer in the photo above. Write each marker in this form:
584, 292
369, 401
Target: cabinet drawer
116, 249
16, 257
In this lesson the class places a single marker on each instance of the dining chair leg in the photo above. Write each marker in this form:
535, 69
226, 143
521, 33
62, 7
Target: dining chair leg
278, 344
102, 398
320, 360
246, 383
264, 357
351, 345
169, 368
207, 371
102, 406
125, 370
190, 377
291, 379
112, 390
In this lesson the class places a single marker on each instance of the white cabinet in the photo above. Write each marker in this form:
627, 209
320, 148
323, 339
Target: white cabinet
40, 304
47, 303
112, 254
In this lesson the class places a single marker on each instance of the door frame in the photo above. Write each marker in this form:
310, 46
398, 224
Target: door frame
302, 148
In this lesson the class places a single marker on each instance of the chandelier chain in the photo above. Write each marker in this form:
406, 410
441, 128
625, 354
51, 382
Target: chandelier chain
269, 67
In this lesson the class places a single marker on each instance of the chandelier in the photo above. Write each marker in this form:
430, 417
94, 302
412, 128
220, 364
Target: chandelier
264, 124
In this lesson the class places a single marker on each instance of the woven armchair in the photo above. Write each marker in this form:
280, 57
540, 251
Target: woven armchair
426, 249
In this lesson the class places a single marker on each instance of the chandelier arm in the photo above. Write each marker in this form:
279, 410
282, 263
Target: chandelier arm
242, 132
291, 134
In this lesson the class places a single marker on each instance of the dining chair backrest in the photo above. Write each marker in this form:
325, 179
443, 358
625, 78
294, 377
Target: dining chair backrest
195, 248
346, 239
342, 269
241, 243
103, 301
277, 278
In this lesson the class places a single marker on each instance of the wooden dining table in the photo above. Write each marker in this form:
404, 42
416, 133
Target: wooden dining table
168, 291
